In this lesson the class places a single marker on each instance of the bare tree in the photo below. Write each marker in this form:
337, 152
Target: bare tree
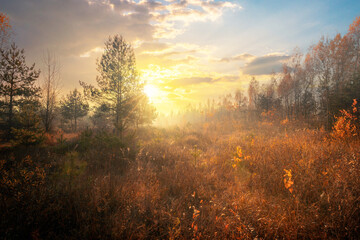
50, 88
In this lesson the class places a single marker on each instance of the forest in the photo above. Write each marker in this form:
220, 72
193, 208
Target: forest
278, 160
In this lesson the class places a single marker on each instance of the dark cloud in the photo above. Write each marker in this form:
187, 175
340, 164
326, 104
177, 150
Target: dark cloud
77, 26
75, 31
72, 27
265, 65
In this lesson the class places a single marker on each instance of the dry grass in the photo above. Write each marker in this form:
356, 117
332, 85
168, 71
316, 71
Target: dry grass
218, 180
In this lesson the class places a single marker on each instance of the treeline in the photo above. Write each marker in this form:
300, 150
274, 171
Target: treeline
30, 104
312, 88
316, 86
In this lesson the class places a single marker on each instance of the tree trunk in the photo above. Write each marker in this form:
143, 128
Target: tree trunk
75, 115
47, 120
119, 123
10, 112
10, 119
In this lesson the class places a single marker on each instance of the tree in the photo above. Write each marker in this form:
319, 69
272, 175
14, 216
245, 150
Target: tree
267, 100
74, 107
17, 84
50, 88
101, 117
253, 91
119, 86
28, 130
145, 113
353, 39
240, 99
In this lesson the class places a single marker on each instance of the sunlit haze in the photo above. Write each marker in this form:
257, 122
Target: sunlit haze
186, 51
179, 119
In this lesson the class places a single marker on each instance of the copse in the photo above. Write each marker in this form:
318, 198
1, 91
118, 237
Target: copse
314, 88
119, 86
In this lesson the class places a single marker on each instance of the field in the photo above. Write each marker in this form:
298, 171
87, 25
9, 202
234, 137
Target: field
212, 180
177, 119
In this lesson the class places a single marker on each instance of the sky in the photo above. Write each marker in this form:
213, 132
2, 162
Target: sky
187, 51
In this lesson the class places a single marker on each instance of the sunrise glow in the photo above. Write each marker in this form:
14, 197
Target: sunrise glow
186, 51
152, 92
179, 119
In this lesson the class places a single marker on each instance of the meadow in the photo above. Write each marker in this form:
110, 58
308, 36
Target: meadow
211, 135
209, 180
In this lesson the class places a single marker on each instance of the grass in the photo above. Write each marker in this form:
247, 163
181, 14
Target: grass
217, 180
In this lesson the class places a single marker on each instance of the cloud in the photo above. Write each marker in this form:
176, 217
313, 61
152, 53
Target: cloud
173, 17
190, 81
227, 78
175, 96
166, 53
265, 65
152, 47
75, 26
75, 30
146, 60
171, 54
182, 82
240, 57
89, 53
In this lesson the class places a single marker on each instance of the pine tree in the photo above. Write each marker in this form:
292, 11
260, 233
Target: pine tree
74, 107
17, 85
119, 86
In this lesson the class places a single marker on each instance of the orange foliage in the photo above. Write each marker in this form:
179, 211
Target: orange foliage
21, 179
345, 126
355, 26
288, 182
284, 122
4, 23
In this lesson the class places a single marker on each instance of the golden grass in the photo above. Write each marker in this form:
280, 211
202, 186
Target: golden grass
220, 180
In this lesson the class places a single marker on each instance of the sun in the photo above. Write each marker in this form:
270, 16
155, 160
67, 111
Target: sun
152, 92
